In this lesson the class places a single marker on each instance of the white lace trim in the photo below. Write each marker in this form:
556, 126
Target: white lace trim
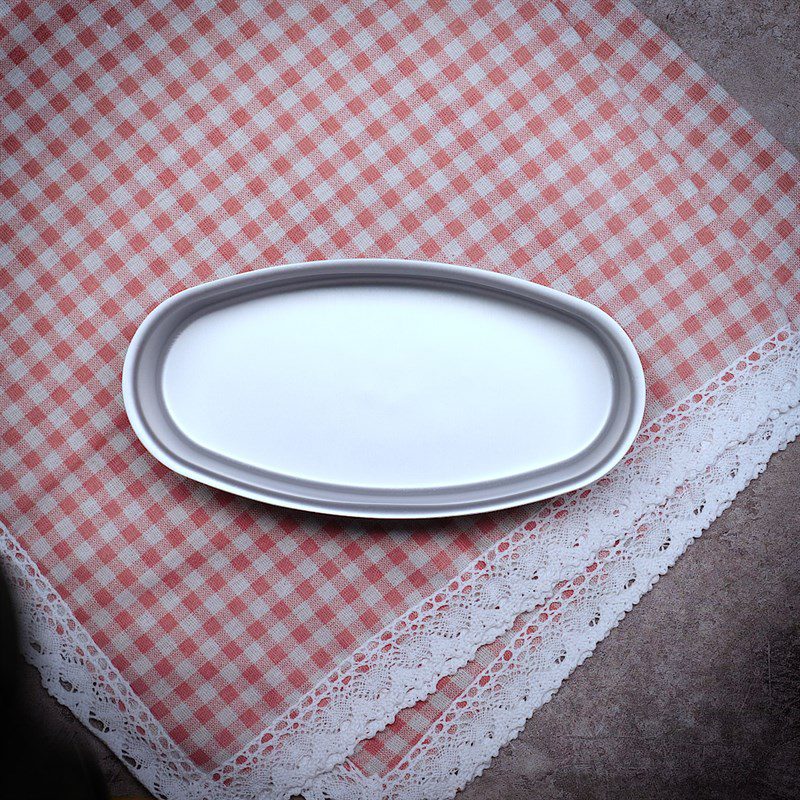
528, 673
544, 652
403, 663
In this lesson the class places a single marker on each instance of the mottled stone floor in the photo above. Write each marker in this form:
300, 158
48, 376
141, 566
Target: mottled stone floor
695, 694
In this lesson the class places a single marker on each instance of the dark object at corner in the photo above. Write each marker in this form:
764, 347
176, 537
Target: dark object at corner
32, 766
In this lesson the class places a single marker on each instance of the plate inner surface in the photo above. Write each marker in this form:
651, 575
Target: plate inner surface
388, 386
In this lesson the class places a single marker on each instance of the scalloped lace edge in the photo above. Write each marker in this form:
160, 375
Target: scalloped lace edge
476, 725
402, 664
397, 782
81, 677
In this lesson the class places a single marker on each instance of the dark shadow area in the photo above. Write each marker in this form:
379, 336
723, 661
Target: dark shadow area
35, 761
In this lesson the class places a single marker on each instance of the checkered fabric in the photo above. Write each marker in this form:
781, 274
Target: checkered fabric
150, 146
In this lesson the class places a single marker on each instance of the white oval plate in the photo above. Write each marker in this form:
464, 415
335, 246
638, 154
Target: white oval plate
379, 388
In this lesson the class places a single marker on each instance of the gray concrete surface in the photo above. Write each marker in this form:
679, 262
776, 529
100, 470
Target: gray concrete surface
751, 47
696, 694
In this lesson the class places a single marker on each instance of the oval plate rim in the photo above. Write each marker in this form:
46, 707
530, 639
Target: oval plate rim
370, 268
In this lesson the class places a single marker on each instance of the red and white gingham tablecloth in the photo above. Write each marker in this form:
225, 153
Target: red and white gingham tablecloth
225, 647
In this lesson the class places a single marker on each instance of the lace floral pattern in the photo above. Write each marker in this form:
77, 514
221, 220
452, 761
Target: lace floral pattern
724, 433
543, 651
403, 663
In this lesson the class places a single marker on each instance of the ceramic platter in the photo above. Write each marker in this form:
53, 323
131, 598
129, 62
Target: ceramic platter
380, 388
